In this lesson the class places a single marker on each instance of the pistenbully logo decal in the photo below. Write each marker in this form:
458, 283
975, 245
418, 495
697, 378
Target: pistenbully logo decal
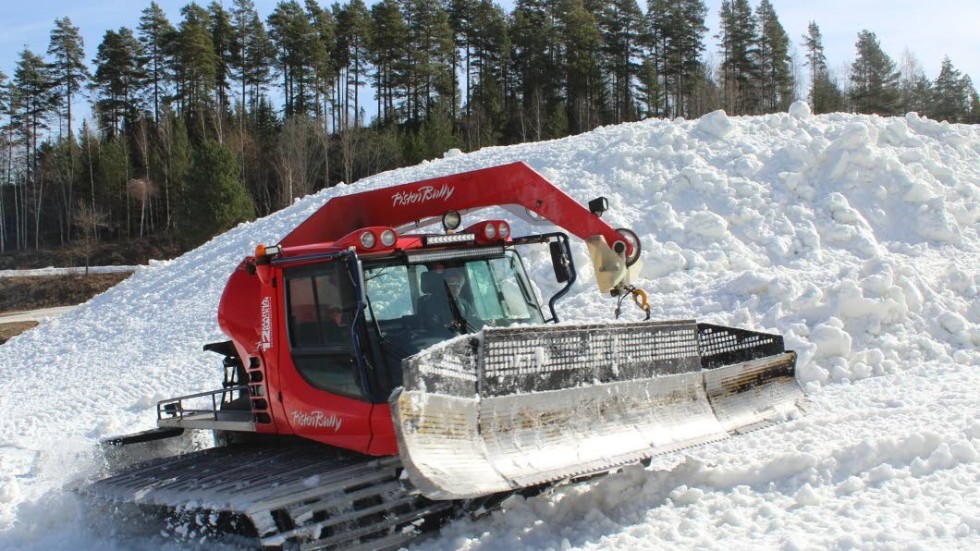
422, 195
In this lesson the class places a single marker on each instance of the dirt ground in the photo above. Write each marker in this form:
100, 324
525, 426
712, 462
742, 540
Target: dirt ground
18, 294
9, 330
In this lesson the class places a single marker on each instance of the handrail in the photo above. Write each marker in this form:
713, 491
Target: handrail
179, 411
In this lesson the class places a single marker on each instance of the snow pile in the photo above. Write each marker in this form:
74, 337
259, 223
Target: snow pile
855, 237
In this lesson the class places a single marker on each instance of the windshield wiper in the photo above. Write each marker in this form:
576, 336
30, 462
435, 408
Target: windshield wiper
459, 324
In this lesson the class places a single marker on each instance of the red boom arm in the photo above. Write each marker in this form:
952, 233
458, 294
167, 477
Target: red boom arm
513, 184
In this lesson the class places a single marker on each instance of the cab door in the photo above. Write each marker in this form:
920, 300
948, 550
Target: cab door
324, 395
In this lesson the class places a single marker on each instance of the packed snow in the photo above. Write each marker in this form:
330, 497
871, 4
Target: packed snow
855, 237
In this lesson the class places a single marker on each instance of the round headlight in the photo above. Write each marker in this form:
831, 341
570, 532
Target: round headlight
490, 231
367, 240
451, 220
388, 238
504, 230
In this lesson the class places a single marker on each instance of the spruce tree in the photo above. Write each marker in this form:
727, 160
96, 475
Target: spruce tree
973, 113
950, 97
825, 95
215, 200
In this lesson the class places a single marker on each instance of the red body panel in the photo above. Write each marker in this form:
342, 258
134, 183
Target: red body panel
384, 442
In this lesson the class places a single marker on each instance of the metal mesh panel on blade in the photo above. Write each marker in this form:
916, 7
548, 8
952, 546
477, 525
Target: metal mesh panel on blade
535, 359
727, 345
448, 369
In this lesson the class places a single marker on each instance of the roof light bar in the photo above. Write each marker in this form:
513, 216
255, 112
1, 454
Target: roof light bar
449, 239
423, 257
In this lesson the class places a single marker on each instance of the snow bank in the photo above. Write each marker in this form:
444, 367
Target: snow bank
855, 237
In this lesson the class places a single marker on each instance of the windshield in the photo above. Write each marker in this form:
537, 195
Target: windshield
417, 305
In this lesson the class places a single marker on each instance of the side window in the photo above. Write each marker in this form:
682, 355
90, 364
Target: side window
517, 294
321, 304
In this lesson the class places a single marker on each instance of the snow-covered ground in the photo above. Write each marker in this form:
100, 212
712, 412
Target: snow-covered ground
856, 237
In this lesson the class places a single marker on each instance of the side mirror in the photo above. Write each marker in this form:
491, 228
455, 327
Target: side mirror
560, 261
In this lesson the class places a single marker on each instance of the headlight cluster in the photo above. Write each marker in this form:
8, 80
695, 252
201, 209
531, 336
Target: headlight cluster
368, 238
494, 230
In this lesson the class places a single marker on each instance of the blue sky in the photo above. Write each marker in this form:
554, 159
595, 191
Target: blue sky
929, 30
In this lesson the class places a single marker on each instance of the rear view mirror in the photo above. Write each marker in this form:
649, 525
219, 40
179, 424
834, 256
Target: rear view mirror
561, 261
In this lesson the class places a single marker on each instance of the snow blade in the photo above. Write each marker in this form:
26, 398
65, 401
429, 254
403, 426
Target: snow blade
511, 408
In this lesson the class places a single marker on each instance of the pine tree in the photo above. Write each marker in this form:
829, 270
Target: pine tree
388, 40
490, 57
222, 39
430, 59
32, 101
323, 72
620, 24
776, 83
68, 68
117, 79
655, 40
351, 60
155, 34
461, 15
252, 53
684, 71
69, 74
738, 48
6, 147
950, 96
874, 79
536, 66
583, 82
196, 63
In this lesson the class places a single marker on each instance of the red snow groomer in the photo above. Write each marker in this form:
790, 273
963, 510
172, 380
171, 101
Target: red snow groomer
380, 379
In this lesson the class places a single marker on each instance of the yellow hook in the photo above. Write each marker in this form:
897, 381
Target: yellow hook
640, 298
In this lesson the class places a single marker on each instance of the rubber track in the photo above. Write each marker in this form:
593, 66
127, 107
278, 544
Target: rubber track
304, 496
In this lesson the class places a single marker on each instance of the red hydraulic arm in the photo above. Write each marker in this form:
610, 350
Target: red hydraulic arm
512, 184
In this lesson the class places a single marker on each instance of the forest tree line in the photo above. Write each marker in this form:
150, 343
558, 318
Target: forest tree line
222, 115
